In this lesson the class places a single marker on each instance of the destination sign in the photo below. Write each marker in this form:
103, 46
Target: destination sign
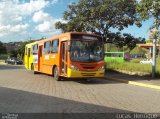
83, 36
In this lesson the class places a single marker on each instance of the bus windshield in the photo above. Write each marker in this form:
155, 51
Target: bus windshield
86, 51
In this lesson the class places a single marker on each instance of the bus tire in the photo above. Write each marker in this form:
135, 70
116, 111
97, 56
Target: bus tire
56, 73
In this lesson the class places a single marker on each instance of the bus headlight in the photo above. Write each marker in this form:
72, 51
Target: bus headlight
74, 67
101, 68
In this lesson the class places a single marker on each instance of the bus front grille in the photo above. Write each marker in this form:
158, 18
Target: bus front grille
88, 74
86, 66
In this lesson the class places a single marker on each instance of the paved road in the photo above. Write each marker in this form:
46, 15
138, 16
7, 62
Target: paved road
22, 91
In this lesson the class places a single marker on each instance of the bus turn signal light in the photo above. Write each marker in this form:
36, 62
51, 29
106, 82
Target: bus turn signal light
101, 68
74, 67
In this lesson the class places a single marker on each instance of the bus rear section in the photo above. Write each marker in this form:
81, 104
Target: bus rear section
29, 56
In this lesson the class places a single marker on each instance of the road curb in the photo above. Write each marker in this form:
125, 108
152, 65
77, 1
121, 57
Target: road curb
135, 83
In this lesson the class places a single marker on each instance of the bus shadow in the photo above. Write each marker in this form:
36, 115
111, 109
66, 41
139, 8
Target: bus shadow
91, 81
29, 102
10, 67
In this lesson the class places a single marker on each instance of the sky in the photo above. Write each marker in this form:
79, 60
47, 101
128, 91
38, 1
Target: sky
21, 20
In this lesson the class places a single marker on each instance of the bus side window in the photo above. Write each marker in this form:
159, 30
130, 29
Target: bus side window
32, 50
55, 46
35, 49
47, 47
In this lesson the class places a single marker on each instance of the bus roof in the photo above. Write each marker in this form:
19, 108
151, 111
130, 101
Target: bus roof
82, 33
67, 34
30, 44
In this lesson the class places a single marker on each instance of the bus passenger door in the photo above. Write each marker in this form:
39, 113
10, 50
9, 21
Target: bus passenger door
64, 59
40, 57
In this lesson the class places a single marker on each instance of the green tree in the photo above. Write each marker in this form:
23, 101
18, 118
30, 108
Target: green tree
150, 9
100, 16
139, 50
3, 49
13, 53
21, 48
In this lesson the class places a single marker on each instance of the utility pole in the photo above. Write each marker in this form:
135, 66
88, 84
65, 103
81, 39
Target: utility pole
154, 58
154, 37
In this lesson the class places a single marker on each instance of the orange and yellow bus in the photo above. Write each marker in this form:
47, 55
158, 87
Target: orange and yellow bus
70, 55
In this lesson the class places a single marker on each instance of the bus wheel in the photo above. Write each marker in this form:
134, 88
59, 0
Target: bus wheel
56, 74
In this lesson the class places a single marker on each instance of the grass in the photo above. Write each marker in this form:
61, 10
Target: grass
133, 66
135, 60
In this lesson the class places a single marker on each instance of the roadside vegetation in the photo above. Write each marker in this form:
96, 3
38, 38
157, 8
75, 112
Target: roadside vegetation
133, 66
3, 56
16, 49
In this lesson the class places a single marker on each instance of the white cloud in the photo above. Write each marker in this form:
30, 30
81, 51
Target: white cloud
8, 29
46, 22
32, 6
44, 27
13, 14
19, 28
4, 30
18, 18
23, 8
11, 11
40, 16
53, 1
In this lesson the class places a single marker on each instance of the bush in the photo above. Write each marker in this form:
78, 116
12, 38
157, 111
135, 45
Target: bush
135, 60
3, 57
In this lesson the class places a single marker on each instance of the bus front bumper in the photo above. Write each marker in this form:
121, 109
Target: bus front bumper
84, 74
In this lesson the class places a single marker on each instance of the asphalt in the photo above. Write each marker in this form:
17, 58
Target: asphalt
144, 81
24, 92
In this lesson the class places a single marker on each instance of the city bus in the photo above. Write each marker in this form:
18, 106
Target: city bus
29, 57
70, 55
